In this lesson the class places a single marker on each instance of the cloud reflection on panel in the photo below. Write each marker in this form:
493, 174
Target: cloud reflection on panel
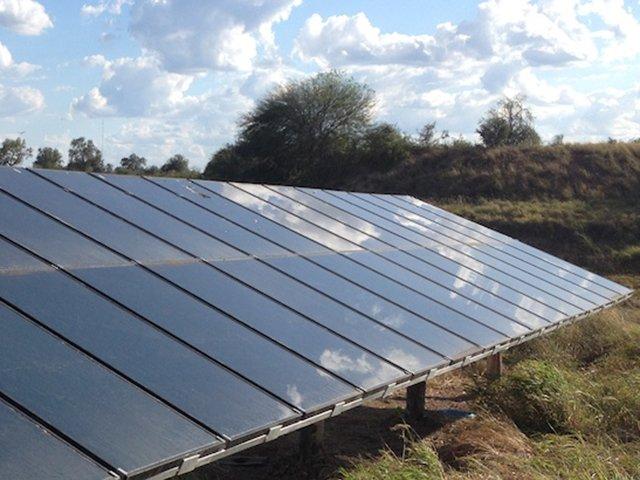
281, 216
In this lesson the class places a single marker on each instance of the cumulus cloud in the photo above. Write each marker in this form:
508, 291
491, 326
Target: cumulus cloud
135, 87
19, 101
26, 17
9, 67
113, 7
456, 72
547, 33
194, 35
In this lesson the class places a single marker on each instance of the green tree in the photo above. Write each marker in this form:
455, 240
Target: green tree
509, 123
302, 130
48, 157
14, 151
85, 156
177, 166
132, 164
384, 146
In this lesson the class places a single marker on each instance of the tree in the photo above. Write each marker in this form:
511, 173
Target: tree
133, 163
304, 129
85, 156
557, 139
509, 123
48, 158
177, 165
427, 136
384, 146
14, 151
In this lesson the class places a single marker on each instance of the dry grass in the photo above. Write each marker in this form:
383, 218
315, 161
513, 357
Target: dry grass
580, 171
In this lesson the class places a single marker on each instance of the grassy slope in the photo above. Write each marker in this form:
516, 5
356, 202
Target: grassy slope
575, 415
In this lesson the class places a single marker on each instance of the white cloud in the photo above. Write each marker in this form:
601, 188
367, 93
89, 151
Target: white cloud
26, 17
135, 87
19, 101
113, 7
9, 66
194, 35
455, 73
547, 33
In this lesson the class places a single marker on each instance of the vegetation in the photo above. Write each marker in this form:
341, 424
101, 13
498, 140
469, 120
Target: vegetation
14, 151
85, 156
510, 123
48, 158
311, 131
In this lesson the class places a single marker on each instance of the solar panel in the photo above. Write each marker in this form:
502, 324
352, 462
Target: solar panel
178, 321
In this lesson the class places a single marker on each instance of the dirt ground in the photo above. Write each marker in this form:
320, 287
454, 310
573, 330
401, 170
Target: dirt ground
361, 432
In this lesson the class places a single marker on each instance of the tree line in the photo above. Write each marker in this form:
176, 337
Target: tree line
84, 156
307, 131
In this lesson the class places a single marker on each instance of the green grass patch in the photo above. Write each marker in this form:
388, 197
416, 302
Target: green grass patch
420, 463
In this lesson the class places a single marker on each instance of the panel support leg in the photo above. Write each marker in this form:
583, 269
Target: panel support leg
311, 440
494, 366
415, 400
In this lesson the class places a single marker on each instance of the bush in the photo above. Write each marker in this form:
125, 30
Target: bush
536, 395
382, 147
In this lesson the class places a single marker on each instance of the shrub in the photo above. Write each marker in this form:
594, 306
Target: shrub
536, 395
382, 147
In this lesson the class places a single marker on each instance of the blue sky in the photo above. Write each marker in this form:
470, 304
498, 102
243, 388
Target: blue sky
174, 76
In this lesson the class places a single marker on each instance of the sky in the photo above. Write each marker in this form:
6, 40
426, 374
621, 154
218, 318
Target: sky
159, 77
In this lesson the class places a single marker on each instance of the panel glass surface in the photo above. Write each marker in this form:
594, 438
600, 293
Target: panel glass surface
465, 327
414, 259
446, 297
383, 342
394, 316
380, 340
370, 304
195, 205
432, 255
25, 226
499, 248
275, 369
107, 415
279, 215
142, 215
513, 243
488, 250
218, 399
285, 326
419, 305
28, 452
474, 254
423, 285
91, 220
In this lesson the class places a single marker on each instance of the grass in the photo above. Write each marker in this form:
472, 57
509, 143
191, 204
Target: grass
566, 172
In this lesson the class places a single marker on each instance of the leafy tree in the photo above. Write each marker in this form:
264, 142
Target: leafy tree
384, 146
48, 157
557, 139
14, 151
178, 165
509, 123
303, 129
85, 156
132, 163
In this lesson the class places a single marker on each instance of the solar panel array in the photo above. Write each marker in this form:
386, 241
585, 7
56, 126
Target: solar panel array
151, 326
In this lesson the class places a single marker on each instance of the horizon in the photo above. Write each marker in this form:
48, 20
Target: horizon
160, 78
